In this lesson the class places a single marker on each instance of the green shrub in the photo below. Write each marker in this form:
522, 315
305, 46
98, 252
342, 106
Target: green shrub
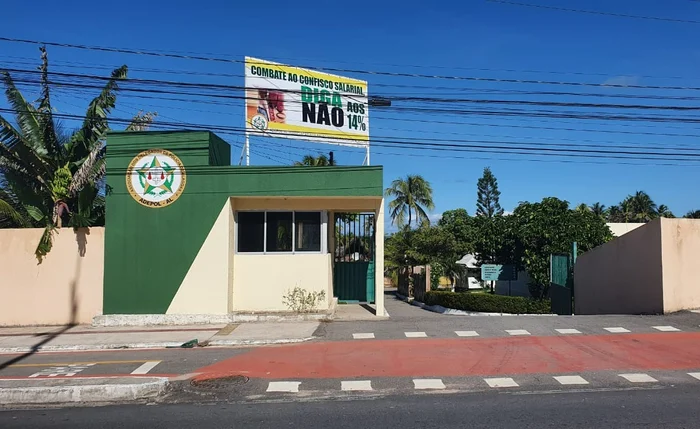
487, 303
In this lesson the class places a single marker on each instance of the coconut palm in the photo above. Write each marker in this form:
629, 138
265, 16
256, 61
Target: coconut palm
49, 178
583, 208
693, 214
598, 209
316, 161
412, 196
664, 211
643, 207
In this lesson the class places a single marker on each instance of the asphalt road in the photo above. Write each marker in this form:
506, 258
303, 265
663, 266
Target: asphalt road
669, 409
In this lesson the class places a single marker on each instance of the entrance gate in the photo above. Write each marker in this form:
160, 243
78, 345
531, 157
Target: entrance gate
561, 288
353, 264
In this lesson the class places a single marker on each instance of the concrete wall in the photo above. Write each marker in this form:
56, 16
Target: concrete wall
623, 276
66, 285
680, 250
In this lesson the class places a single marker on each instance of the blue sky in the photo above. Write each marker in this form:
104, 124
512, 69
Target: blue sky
469, 39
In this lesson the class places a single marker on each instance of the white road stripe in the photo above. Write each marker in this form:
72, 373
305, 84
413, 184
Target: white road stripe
568, 331
666, 328
694, 375
415, 334
466, 333
617, 330
366, 336
501, 382
284, 386
146, 367
428, 383
638, 378
356, 385
570, 379
517, 332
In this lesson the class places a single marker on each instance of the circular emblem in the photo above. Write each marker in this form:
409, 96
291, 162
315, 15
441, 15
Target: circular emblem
156, 178
259, 122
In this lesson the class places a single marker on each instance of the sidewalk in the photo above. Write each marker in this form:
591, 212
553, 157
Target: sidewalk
85, 337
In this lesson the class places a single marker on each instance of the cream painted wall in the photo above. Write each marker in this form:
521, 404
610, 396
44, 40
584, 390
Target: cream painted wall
681, 252
205, 288
623, 276
44, 294
260, 281
379, 259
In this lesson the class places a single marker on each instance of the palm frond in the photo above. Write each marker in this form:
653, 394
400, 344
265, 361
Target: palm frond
95, 125
9, 211
90, 171
142, 121
25, 114
45, 113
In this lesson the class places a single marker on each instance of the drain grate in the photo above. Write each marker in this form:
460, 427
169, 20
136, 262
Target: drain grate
220, 382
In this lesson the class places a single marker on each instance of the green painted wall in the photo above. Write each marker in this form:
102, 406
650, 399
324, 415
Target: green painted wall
148, 251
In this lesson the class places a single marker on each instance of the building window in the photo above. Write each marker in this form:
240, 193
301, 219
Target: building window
278, 232
307, 227
251, 232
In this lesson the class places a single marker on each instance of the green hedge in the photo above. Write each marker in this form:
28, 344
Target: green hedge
484, 302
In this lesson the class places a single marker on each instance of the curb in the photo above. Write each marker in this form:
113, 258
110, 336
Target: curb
98, 347
83, 393
453, 312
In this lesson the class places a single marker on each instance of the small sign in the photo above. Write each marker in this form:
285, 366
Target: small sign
498, 272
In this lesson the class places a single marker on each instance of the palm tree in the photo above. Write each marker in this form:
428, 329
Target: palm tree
693, 214
664, 211
412, 195
598, 209
643, 207
583, 208
627, 209
47, 177
614, 214
316, 161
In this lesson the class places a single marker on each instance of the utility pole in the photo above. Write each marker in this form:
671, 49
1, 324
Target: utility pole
331, 162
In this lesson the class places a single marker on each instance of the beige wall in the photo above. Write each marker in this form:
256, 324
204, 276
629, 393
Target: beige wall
44, 294
260, 281
622, 276
680, 250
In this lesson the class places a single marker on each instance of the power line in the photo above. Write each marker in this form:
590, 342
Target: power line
335, 69
595, 12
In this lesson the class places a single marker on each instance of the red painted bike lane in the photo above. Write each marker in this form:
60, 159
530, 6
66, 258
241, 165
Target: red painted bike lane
466, 357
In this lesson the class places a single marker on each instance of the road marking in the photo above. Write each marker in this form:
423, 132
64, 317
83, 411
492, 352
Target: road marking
466, 333
568, 331
146, 367
638, 378
356, 385
570, 379
105, 362
415, 334
366, 336
501, 382
694, 375
517, 332
617, 330
428, 383
66, 371
284, 386
666, 328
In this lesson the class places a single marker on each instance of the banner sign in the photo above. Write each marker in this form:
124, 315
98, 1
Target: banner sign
302, 104
498, 272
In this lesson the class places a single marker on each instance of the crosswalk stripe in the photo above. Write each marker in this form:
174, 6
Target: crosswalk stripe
638, 378
146, 367
356, 385
517, 332
466, 333
363, 336
415, 334
501, 382
617, 330
568, 331
428, 383
570, 379
666, 328
283, 386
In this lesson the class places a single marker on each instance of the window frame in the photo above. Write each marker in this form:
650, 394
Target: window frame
323, 225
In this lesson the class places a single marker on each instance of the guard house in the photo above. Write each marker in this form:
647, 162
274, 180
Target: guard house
190, 235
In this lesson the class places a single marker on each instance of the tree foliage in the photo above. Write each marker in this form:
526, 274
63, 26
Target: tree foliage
49, 178
316, 161
487, 193
413, 195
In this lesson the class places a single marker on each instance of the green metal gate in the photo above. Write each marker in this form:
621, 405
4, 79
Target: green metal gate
561, 288
353, 266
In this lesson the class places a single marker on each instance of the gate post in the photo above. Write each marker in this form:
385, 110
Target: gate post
379, 258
